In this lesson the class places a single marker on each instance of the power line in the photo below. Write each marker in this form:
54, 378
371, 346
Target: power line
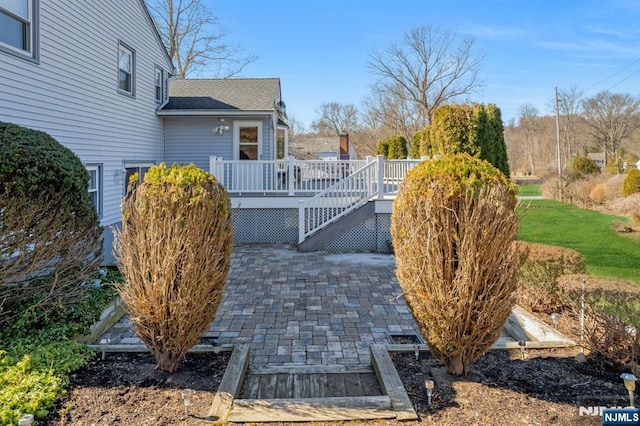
625, 79
613, 75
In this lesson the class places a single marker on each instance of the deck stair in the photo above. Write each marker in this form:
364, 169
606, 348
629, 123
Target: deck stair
324, 235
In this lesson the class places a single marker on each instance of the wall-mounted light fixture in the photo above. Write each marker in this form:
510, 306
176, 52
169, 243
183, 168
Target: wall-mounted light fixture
220, 129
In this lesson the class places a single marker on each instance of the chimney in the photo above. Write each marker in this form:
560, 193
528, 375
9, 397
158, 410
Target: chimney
344, 146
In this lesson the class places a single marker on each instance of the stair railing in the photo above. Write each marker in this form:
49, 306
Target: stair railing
354, 190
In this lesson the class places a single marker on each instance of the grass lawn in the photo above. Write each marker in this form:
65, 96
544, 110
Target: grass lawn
606, 252
529, 190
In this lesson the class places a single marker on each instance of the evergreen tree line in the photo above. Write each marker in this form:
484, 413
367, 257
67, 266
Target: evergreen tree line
475, 129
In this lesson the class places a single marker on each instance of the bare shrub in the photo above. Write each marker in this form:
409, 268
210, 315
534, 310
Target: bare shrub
579, 191
538, 288
598, 194
175, 248
611, 320
625, 205
50, 246
570, 261
454, 224
613, 187
554, 189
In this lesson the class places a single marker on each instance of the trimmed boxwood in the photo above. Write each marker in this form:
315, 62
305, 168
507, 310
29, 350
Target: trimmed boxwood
49, 229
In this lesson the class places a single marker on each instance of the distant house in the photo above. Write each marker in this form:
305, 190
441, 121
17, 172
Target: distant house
598, 158
324, 147
92, 75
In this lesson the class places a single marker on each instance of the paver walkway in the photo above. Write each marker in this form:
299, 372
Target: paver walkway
305, 308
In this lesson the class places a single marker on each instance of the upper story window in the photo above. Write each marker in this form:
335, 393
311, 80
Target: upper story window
126, 69
160, 84
18, 27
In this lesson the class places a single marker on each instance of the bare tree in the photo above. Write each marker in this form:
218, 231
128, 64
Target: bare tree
296, 127
389, 113
528, 123
195, 39
571, 123
429, 68
611, 118
336, 118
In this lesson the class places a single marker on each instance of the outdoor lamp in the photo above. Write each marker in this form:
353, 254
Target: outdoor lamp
555, 317
417, 351
429, 385
186, 396
26, 420
103, 345
522, 344
629, 383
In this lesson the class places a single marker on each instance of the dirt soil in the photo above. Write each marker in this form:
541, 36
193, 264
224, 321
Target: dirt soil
547, 388
127, 389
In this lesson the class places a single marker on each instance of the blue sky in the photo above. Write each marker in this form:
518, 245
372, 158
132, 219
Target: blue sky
320, 49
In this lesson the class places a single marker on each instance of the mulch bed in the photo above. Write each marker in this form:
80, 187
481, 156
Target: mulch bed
127, 389
547, 388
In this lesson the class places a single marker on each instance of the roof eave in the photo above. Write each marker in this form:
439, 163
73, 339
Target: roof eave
212, 112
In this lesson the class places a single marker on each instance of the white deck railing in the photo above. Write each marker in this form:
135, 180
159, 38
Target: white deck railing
335, 188
286, 177
394, 172
336, 201
379, 177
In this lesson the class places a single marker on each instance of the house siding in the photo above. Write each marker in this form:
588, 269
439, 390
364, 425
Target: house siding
72, 93
190, 139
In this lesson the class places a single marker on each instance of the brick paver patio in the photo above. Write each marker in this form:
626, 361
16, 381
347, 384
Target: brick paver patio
305, 308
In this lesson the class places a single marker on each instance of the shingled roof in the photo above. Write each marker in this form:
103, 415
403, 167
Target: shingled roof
245, 94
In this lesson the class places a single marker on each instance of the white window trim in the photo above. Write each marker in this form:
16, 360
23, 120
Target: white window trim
97, 168
134, 165
236, 137
32, 53
163, 83
125, 47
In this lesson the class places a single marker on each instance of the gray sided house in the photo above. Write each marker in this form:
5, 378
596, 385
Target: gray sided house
95, 76
230, 119
92, 75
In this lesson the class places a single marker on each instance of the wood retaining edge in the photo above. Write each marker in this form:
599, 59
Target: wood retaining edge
142, 348
312, 409
114, 311
230, 386
391, 384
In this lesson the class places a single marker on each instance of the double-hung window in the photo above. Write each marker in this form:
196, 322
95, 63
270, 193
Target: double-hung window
18, 27
131, 169
95, 187
160, 85
126, 69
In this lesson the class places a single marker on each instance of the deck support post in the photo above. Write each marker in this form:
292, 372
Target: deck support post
380, 176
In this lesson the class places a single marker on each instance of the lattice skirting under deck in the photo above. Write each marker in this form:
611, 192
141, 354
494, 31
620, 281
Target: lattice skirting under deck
280, 226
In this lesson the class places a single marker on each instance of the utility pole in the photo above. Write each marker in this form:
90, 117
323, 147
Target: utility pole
558, 143
558, 134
